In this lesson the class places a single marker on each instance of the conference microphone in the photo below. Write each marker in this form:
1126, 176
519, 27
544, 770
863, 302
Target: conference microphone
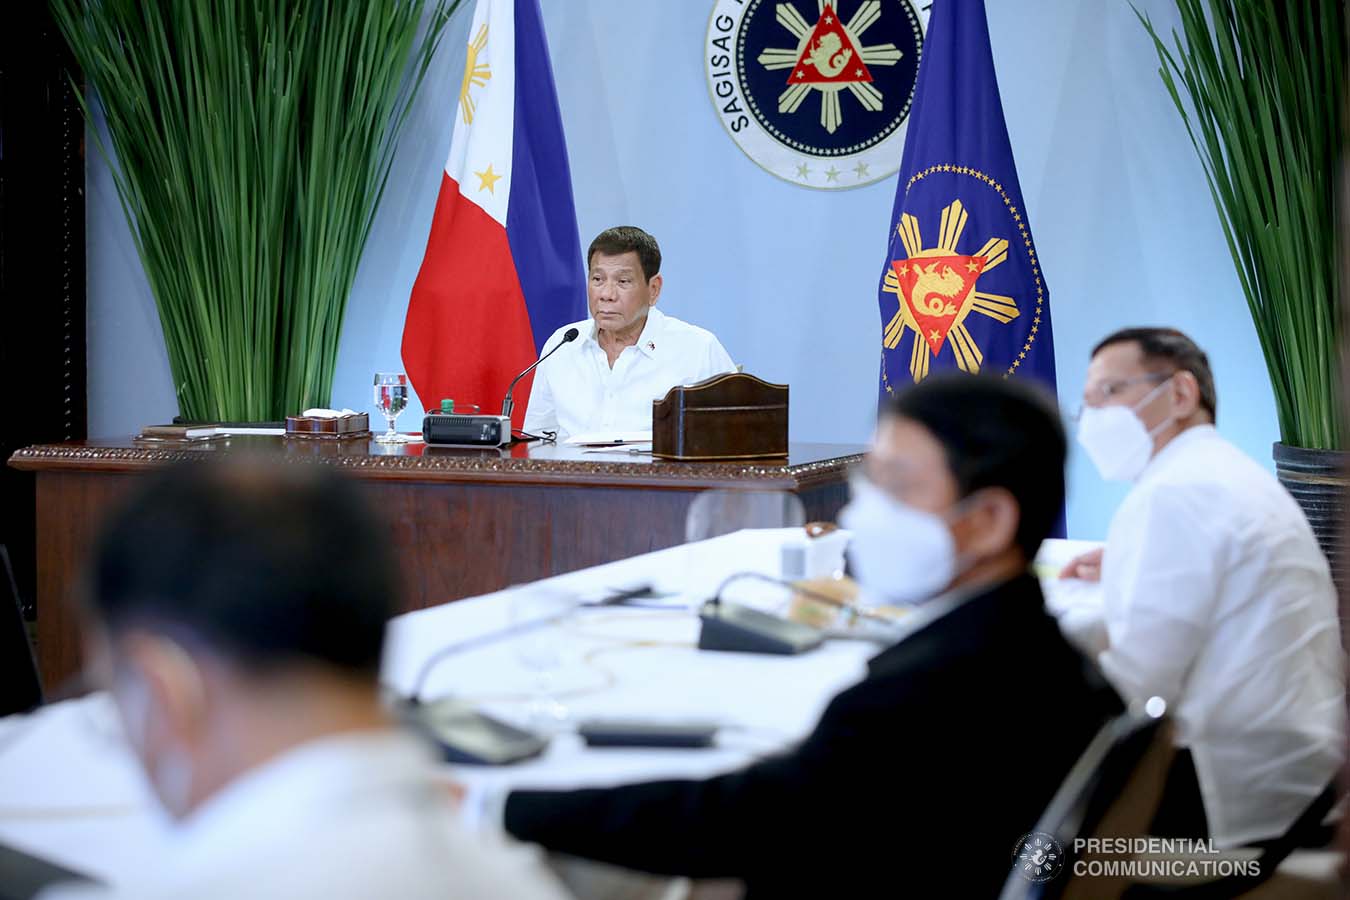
507, 403
463, 734
447, 429
743, 629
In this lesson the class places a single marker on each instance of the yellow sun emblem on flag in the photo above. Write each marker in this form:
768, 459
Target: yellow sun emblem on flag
935, 288
829, 59
474, 73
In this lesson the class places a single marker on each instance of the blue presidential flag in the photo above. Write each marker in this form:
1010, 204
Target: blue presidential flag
962, 286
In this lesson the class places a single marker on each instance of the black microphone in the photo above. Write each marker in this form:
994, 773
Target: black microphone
463, 734
743, 629
507, 403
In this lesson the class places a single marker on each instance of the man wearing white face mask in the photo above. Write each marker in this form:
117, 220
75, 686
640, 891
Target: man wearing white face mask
236, 613
950, 747
1215, 596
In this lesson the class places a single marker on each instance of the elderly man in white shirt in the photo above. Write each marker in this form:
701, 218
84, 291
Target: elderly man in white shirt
629, 354
236, 618
1215, 594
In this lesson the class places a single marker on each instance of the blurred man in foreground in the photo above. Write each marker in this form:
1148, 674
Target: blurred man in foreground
237, 613
1215, 595
919, 780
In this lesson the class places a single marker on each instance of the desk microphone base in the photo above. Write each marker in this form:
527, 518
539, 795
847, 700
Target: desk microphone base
741, 629
467, 736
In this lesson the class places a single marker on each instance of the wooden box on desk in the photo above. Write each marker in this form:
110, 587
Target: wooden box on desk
731, 416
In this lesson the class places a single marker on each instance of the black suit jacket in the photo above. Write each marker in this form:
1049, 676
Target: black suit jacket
917, 781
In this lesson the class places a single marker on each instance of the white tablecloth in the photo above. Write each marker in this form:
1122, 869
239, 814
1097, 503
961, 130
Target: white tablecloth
70, 790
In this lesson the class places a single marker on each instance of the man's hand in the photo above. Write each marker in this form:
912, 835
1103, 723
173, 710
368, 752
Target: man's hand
1087, 566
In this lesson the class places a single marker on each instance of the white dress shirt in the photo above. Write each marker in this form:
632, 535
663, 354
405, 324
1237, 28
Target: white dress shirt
575, 390
353, 816
1218, 599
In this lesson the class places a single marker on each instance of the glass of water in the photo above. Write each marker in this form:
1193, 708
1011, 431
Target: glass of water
391, 396
539, 615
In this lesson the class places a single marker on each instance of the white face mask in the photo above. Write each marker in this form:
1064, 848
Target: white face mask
899, 554
1116, 439
168, 769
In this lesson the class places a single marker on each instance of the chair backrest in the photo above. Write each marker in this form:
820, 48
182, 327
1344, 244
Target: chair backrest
1112, 791
716, 513
20, 687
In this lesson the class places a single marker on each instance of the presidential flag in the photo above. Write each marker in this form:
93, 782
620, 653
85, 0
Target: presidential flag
962, 285
502, 269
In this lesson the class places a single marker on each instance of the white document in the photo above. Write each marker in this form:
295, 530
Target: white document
600, 438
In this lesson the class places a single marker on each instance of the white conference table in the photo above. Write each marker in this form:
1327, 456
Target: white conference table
70, 790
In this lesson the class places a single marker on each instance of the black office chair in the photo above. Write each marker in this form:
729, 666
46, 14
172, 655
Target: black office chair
20, 687
1112, 791
1308, 831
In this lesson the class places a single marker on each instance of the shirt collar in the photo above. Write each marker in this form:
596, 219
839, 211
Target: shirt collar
648, 341
304, 783
1177, 446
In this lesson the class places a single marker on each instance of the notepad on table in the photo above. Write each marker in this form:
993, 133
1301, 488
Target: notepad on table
609, 438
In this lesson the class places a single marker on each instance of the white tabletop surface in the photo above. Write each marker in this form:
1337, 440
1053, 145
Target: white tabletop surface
70, 789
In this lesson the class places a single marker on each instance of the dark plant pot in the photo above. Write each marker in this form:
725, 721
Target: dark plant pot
1318, 480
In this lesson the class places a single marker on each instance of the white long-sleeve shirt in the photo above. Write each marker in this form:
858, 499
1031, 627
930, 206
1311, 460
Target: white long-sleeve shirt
1218, 599
351, 816
575, 390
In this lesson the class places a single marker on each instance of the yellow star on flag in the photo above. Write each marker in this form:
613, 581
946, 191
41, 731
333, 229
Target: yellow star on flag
487, 180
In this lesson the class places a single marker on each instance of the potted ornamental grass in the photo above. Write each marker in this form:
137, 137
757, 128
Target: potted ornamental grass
1261, 88
250, 142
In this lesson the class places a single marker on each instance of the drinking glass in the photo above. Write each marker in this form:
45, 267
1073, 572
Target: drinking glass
391, 396
538, 648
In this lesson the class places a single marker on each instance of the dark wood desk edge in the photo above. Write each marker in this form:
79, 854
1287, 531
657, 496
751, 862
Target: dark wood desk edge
669, 475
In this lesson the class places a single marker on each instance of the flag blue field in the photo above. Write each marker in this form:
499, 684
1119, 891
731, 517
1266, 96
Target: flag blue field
962, 287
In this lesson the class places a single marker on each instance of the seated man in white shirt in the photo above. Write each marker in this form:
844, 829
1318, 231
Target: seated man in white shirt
237, 615
1215, 594
629, 352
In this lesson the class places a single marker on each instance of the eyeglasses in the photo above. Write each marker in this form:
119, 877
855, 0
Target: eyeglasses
1107, 391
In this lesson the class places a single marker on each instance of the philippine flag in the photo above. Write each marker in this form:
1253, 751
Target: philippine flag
502, 269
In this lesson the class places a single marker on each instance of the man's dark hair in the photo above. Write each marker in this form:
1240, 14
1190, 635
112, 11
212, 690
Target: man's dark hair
996, 432
1168, 350
266, 564
628, 239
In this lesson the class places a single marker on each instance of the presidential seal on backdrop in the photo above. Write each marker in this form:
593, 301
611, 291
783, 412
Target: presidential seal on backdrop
817, 92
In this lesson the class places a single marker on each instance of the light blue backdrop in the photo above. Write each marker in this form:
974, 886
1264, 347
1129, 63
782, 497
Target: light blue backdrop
786, 275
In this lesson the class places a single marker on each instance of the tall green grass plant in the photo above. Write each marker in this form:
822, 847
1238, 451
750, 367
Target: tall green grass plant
1260, 85
250, 143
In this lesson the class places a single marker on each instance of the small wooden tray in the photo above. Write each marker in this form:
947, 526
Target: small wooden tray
729, 416
340, 428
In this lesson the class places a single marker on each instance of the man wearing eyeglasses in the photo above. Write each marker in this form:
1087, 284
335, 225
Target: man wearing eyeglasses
1215, 596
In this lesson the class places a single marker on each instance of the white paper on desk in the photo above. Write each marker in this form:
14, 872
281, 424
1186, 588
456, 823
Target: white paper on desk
240, 430
593, 438
72, 791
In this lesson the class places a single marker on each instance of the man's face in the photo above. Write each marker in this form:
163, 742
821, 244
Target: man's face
908, 463
1117, 376
619, 294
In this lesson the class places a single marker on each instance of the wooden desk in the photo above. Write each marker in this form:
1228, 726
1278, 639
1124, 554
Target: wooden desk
464, 522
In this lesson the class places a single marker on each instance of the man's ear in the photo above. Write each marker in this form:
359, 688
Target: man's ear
1185, 394
989, 526
655, 285
174, 680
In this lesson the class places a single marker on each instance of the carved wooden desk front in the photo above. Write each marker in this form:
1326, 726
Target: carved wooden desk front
464, 522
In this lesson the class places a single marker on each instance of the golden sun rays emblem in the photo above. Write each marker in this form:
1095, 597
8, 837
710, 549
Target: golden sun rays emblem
474, 74
935, 289
829, 59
